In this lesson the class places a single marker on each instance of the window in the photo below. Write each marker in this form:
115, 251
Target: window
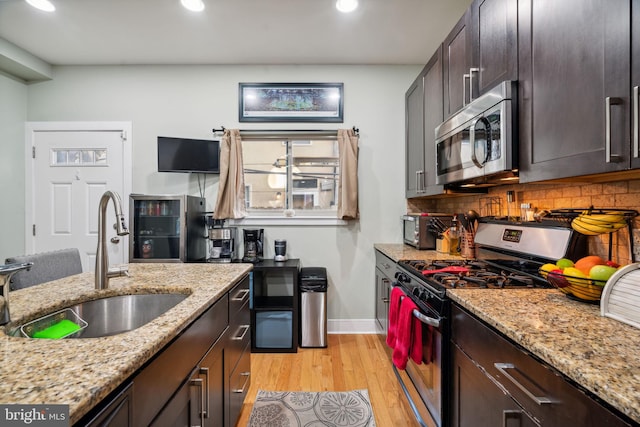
291, 177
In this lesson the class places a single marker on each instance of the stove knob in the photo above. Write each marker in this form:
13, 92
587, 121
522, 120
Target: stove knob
401, 277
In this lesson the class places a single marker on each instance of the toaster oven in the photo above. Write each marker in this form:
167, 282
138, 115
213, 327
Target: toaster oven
420, 230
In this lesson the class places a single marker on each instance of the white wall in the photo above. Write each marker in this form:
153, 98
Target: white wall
13, 114
188, 101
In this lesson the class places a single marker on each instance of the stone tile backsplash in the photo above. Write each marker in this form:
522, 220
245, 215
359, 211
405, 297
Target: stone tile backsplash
619, 195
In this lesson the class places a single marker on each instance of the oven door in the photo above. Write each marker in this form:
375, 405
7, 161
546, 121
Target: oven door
424, 384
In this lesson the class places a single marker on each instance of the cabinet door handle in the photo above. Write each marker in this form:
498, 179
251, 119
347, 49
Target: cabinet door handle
636, 126
471, 71
502, 367
608, 157
464, 88
241, 390
205, 372
419, 181
197, 382
244, 332
511, 413
241, 295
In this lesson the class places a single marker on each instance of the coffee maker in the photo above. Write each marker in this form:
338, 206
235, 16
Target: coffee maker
222, 241
253, 244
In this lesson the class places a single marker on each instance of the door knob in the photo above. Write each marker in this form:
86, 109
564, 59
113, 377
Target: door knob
115, 239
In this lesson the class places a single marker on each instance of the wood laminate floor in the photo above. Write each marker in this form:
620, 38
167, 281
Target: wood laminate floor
349, 362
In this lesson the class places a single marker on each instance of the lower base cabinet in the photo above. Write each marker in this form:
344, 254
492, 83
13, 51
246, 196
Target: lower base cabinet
199, 379
496, 382
477, 401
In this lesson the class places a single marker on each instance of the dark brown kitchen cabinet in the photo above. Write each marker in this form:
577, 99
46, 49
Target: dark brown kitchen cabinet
574, 88
117, 412
423, 105
477, 401
497, 382
385, 272
480, 52
237, 356
414, 138
635, 84
200, 400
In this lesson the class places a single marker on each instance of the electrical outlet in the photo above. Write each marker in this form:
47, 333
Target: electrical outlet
636, 244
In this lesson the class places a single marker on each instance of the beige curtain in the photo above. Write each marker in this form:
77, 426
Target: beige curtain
230, 202
348, 201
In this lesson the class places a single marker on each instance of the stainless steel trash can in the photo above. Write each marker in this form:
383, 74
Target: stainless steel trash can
313, 306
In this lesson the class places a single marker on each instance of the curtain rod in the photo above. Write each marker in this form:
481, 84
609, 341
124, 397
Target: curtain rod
312, 132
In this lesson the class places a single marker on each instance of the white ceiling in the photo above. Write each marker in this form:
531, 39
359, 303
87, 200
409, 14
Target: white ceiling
91, 32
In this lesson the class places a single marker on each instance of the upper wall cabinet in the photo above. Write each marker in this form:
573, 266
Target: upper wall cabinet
480, 52
575, 95
423, 112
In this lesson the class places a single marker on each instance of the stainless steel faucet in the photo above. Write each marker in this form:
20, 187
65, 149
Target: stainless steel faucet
103, 273
6, 273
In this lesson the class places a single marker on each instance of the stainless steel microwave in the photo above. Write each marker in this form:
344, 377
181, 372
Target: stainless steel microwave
479, 143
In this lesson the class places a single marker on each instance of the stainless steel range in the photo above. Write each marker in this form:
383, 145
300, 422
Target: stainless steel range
509, 255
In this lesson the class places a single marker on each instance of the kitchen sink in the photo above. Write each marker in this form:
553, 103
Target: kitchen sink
116, 314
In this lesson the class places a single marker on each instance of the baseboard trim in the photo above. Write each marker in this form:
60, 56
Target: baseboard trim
352, 326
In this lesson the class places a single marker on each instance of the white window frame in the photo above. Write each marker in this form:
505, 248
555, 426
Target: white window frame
289, 216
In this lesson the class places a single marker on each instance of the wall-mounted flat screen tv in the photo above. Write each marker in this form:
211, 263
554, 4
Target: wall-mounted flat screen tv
188, 155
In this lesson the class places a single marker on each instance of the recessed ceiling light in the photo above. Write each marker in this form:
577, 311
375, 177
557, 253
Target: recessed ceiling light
45, 5
346, 6
193, 5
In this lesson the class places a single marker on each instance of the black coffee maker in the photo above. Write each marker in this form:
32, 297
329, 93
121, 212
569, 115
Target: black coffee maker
253, 244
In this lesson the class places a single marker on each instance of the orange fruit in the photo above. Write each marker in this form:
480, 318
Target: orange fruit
585, 264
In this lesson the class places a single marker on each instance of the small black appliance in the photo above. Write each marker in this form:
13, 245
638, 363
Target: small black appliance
253, 245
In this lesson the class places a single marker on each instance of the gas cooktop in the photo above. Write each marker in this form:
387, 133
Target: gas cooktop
474, 274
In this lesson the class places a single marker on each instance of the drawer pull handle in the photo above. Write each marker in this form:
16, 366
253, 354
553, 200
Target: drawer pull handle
241, 295
244, 332
241, 390
197, 382
205, 372
608, 157
502, 367
511, 413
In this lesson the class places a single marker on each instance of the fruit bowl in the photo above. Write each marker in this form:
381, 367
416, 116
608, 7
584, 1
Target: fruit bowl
579, 288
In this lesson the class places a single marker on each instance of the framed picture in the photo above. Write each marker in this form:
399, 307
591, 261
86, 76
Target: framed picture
291, 102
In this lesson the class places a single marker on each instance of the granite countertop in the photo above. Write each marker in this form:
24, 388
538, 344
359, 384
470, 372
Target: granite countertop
82, 372
400, 251
599, 353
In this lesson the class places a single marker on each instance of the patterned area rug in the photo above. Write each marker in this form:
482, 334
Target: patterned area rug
312, 409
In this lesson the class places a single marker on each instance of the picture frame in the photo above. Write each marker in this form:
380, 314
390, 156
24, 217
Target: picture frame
291, 102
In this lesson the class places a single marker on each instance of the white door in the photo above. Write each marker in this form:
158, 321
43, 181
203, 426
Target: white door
72, 165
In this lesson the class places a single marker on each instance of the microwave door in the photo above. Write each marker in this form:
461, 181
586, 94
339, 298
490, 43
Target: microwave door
481, 141
454, 157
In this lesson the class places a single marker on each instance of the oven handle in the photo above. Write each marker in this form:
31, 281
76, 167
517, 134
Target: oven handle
426, 319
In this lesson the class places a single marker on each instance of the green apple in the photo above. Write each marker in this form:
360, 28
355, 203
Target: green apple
601, 273
563, 263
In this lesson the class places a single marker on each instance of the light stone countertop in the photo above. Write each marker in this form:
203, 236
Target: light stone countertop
599, 353
82, 372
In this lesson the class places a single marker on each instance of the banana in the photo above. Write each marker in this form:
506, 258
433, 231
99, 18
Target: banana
603, 219
595, 224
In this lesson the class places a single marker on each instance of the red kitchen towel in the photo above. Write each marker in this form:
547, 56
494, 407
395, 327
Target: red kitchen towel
394, 311
408, 336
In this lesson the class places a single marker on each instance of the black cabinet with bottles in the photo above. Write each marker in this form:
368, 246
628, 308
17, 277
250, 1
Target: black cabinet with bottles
575, 93
274, 306
496, 382
480, 52
167, 229
423, 112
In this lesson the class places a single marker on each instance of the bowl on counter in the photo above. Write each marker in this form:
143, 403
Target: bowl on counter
578, 288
